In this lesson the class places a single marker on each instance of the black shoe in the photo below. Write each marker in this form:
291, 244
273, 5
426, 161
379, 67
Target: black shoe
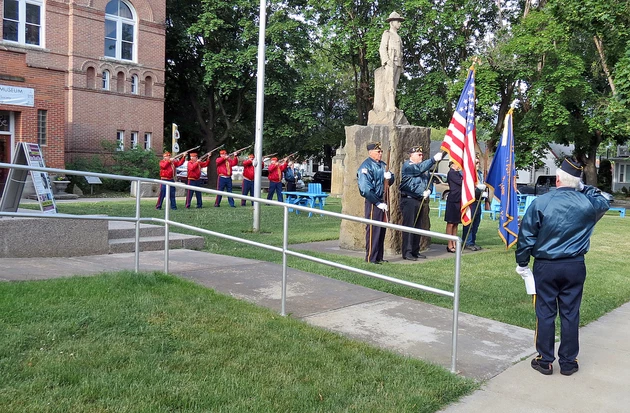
424, 257
569, 371
543, 368
410, 258
232, 206
158, 208
472, 247
173, 207
478, 247
376, 262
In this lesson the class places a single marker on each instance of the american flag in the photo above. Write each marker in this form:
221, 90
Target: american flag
459, 143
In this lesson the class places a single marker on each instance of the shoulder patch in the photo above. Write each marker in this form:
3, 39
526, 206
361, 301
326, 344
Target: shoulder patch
364, 171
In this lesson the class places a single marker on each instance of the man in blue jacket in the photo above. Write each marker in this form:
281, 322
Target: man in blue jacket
414, 192
371, 178
556, 231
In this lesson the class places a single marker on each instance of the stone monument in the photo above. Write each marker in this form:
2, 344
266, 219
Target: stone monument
388, 125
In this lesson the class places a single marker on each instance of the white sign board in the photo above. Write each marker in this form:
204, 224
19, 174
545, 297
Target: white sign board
19, 96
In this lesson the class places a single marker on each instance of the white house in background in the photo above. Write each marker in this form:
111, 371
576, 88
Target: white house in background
621, 169
553, 156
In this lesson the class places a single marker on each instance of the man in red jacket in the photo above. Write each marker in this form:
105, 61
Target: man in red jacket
248, 177
194, 178
275, 178
225, 164
167, 173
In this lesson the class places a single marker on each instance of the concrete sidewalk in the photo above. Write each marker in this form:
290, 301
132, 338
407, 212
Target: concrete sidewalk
487, 350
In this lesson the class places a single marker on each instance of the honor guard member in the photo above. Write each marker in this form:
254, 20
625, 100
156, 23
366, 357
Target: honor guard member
225, 164
248, 177
371, 178
469, 234
556, 231
275, 178
414, 191
168, 169
194, 178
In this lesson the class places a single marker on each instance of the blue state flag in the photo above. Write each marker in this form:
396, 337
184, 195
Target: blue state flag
502, 178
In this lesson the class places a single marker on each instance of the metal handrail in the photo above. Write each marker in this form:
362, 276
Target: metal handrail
284, 250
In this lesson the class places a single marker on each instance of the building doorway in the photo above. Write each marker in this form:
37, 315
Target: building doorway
7, 128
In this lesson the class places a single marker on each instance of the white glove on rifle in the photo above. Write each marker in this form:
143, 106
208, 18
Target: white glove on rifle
255, 163
481, 187
484, 195
528, 277
580, 186
387, 175
383, 207
426, 193
437, 157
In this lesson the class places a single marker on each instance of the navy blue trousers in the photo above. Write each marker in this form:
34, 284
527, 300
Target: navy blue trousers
559, 286
247, 188
277, 188
374, 236
474, 225
189, 194
224, 184
163, 195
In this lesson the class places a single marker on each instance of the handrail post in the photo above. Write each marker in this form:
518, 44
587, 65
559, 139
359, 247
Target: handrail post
458, 260
285, 244
167, 215
137, 248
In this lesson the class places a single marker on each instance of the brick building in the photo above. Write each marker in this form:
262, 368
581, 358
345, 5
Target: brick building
74, 73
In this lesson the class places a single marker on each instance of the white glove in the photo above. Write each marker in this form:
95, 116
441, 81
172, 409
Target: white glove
481, 187
383, 207
437, 157
485, 194
255, 163
580, 186
528, 277
426, 193
387, 175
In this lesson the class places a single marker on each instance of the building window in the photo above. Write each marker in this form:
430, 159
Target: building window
134, 140
42, 126
134, 84
120, 140
106, 79
120, 82
120, 29
148, 86
147, 140
22, 21
622, 169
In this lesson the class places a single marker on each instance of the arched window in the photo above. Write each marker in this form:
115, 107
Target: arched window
120, 82
120, 30
134, 84
148, 86
89, 78
106, 78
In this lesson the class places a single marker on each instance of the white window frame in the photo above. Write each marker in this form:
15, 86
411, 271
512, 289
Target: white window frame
120, 140
135, 83
147, 140
134, 140
22, 22
119, 21
106, 77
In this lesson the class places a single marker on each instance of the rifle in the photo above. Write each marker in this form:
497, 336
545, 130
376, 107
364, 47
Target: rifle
240, 150
286, 158
210, 153
386, 184
270, 155
185, 152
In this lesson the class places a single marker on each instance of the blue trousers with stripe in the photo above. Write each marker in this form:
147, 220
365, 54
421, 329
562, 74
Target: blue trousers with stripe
374, 236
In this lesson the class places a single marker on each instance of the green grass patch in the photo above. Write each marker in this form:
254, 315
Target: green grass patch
150, 342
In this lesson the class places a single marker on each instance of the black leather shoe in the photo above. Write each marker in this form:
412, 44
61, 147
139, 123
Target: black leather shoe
420, 256
410, 258
543, 368
569, 371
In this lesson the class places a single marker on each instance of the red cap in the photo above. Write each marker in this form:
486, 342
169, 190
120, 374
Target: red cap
166, 153
193, 154
222, 152
274, 159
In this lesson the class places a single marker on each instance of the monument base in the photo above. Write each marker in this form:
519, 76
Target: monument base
395, 141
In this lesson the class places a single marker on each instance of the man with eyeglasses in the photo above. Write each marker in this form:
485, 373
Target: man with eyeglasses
371, 178
414, 193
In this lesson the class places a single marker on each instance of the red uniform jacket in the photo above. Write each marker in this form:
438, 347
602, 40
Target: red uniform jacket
248, 169
194, 169
224, 165
275, 171
167, 168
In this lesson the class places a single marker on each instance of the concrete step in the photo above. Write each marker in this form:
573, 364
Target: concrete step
156, 243
122, 238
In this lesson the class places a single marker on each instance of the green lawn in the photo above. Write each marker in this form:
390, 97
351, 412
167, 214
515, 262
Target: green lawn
155, 343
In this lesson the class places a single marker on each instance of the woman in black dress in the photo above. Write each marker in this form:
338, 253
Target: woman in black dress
453, 213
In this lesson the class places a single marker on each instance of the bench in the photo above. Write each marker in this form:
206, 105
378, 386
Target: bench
622, 211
